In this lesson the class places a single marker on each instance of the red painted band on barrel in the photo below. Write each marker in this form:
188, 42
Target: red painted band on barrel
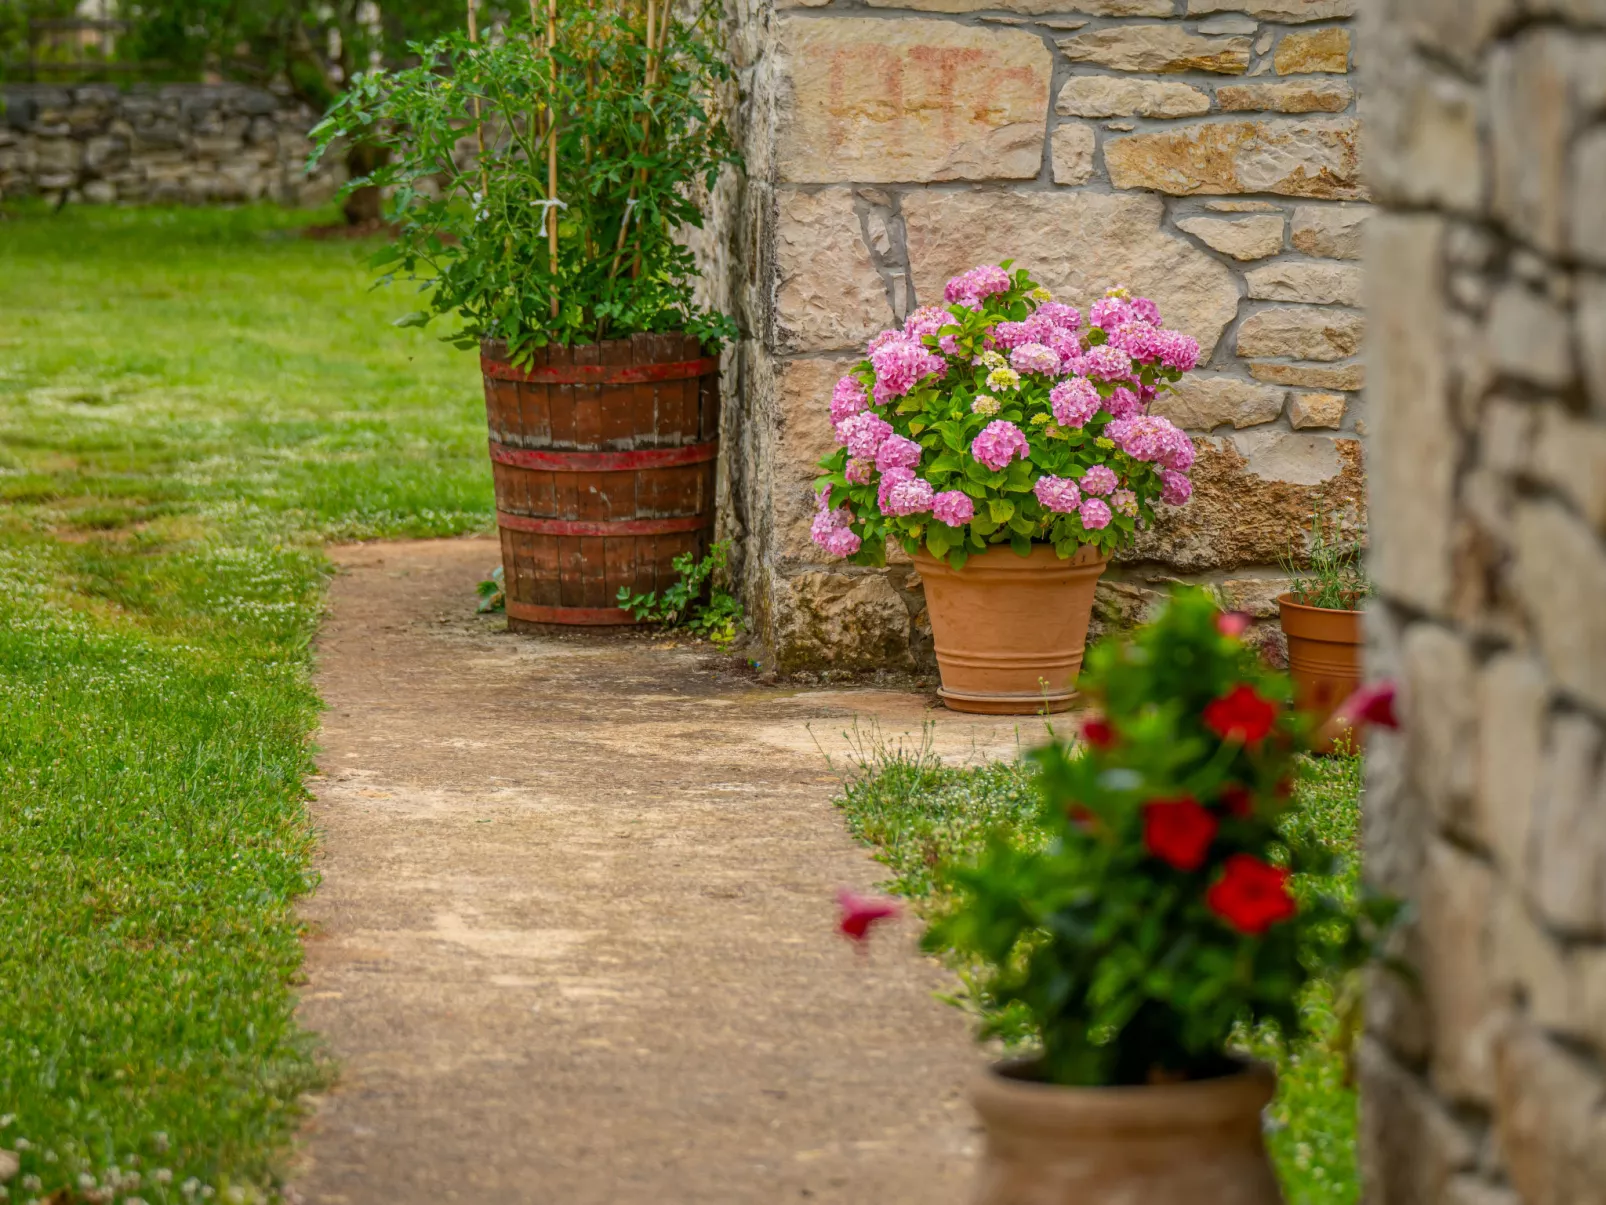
621, 527
600, 374
603, 462
593, 616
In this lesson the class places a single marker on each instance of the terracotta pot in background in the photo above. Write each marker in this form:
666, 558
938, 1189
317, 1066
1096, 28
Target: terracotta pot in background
1010, 631
1195, 1143
1324, 657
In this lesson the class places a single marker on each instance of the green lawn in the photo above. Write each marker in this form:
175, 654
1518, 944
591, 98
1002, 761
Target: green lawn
190, 403
923, 817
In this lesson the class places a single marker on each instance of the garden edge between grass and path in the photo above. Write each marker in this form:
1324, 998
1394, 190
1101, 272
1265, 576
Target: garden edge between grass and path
922, 817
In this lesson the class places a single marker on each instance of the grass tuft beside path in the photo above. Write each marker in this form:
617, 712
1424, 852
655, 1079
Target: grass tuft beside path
190, 403
924, 817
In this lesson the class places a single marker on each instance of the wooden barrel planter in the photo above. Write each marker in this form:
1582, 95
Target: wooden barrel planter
603, 459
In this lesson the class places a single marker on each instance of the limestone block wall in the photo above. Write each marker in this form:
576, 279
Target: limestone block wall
1202, 152
192, 143
1487, 282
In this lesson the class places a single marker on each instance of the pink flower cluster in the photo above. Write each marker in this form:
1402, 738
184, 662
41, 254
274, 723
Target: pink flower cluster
896, 452
1035, 357
1074, 402
863, 434
1107, 362
1094, 513
1154, 439
927, 320
953, 507
848, 399
899, 363
1058, 494
998, 444
903, 493
832, 529
971, 288
1099, 480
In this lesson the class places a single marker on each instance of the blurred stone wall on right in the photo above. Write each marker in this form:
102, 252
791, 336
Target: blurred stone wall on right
1484, 1083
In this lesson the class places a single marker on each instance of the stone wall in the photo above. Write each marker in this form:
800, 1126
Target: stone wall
191, 143
1202, 152
1487, 127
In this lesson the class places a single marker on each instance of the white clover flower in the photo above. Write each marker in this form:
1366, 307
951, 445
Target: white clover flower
163, 1175
189, 1187
159, 1141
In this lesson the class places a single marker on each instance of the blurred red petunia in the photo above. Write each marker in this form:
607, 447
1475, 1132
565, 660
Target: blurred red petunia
1234, 623
1251, 895
859, 912
1082, 816
1097, 731
1371, 704
1237, 799
1240, 714
1178, 831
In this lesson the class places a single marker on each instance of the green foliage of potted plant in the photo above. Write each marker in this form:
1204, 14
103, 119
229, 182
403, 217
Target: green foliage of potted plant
1321, 618
1167, 906
540, 179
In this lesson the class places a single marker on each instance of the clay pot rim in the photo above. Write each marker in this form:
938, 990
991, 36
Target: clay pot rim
1286, 599
1134, 1107
921, 556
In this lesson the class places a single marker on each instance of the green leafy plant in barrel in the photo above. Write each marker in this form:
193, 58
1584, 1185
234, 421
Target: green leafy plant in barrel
539, 171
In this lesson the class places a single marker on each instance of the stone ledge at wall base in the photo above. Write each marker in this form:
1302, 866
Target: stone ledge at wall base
158, 144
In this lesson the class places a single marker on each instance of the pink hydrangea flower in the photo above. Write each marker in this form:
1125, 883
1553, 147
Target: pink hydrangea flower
1176, 489
1058, 494
1069, 348
884, 338
889, 479
953, 507
859, 472
1034, 357
1100, 480
911, 497
832, 529
1124, 502
1035, 329
863, 434
1107, 362
901, 362
927, 320
1095, 513
1180, 454
949, 344
998, 444
1145, 310
1074, 402
896, 452
1107, 313
1123, 403
1176, 350
972, 287
1138, 339
1145, 437
848, 399
1065, 317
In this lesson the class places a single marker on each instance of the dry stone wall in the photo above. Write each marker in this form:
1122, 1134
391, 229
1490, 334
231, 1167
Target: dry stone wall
1484, 1083
1202, 152
192, 143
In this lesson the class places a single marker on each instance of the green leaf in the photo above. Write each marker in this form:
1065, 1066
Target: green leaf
416, 318
1001, 509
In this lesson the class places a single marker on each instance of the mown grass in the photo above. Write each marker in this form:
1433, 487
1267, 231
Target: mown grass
923, 817
190, 403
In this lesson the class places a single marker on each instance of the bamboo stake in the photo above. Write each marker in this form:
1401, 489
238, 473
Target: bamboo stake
479, 130
552, 145
646, 118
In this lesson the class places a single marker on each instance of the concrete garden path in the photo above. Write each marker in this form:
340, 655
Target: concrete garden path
574, 940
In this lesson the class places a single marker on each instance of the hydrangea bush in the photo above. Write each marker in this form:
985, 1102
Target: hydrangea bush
1001, 418
1173, 897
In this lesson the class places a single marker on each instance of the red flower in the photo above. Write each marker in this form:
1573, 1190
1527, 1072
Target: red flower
1237, 799
1233, 623
859, 912
1082, 816
1096, 731
1178, 831
1251, 896
1374, 704
1240, 714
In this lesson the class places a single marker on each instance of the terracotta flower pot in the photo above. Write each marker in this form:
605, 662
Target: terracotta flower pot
1011, 630
1324, 657
1194, 1143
